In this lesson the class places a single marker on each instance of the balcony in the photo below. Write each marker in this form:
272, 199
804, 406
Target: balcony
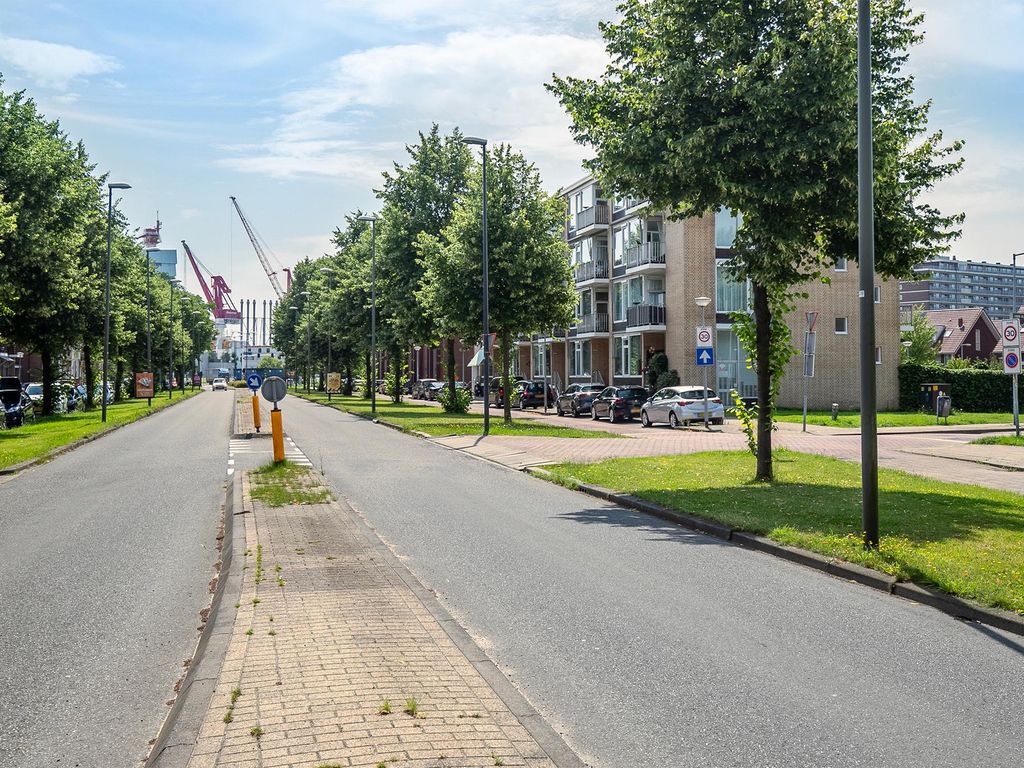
643, 315
595, 215
644, 254
596, 322
592, 270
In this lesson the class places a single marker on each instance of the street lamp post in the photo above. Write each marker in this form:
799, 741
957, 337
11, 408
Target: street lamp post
1013, 316
373, 309
482, 143
295, 384
184, 301
170, 344
702, 302
149, 329
330, 282
106, 297
417, 347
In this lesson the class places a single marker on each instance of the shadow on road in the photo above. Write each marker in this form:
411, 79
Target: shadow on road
624, 518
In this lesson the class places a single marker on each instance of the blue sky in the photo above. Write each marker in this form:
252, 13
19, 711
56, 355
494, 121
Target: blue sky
295, 107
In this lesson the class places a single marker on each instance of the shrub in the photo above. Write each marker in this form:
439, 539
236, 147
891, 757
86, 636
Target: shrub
657, 366
972, 389
667, 379
390, 382
457, 403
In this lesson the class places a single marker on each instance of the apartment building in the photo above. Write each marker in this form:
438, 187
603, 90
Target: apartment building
637, 277
947, 283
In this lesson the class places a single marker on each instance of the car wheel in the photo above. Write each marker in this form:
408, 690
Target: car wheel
558, 409
612, 418
717, 421
673, 421
593, 413
645, 420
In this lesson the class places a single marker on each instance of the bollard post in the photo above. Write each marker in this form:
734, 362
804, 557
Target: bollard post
256, 411
277, 433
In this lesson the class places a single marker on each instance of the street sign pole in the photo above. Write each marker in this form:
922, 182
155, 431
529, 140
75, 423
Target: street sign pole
1012, 364
812, 318
1016, 407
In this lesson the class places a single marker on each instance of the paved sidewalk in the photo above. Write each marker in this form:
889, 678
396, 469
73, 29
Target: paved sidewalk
312, 661
244, 424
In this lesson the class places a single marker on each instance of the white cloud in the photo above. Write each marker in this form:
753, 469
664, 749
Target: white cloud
983, 34
51, 64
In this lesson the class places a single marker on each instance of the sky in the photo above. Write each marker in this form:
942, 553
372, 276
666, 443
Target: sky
297, 107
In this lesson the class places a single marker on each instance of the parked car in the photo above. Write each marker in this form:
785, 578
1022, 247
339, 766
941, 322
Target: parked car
16, 404
576, 399
531, 395
419, 389
431, 390
80, 391
67, 394
497, 389
618, 403
681, 405
220, 384
35, 392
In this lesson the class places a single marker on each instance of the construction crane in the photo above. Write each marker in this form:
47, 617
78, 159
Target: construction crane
220, 299
261, 254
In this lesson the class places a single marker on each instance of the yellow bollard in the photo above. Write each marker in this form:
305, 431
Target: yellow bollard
278, 434
256, 411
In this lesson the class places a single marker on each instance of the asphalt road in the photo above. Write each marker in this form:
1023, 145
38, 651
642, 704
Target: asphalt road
647, 645
106, 554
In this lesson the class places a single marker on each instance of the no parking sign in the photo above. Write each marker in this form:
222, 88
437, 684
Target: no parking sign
1011, 361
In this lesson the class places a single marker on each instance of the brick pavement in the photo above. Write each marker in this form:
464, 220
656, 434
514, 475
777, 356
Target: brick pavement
314, 659
244, 423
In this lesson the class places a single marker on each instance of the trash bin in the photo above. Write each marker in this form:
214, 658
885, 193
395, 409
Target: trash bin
928, 394
943, 405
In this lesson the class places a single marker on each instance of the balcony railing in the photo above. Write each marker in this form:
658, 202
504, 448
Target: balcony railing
596, 214
644, 253
593, 323
640, 315
592, 270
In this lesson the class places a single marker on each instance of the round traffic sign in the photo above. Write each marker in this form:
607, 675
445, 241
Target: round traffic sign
274, 389
704, 337
253, 381
1012, 360
1009, 332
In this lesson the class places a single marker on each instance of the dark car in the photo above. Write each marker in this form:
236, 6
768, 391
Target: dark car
618, 403
419, 388
431, 391
576, 399
497, 393
531, 395
17, 406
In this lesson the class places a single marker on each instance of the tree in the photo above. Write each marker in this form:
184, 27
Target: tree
750, 105
920, 345
270, 362
530, 278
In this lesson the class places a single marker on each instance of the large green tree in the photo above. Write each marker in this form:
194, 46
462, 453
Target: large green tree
751, 105
530, 279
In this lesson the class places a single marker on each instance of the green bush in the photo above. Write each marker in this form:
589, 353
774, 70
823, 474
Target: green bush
459, 403
667, 379
972, 389
390, 382
238, 384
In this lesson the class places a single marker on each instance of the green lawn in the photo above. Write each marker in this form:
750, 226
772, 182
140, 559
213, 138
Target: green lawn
435, 422
964, 539
851, 419
34, 440
281, 483
999, 440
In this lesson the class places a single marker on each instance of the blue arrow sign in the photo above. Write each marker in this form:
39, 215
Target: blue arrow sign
705, 355
253, 381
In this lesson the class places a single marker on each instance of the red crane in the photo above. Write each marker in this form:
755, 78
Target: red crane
220, 299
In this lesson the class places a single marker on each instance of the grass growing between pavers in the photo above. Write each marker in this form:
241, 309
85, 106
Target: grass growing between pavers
46, 434
964, 539
281, 483
415, 417
851, 419
1000, 440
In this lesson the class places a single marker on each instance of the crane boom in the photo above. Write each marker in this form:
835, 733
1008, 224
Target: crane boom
271, 274
223, 307
199, 275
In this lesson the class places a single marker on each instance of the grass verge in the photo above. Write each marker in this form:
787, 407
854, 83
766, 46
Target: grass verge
46, 434
964, 539
281, 483
999, 440
851, 419
416, 417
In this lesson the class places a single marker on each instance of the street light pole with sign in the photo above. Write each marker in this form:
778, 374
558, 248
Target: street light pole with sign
705, 350
1011, 364
809, 345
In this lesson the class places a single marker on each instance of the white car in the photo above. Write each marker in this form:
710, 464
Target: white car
681, 405
220, 384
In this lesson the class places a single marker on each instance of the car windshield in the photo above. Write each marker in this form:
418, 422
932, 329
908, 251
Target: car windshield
34, 389
632, 393
592, 388
696, 394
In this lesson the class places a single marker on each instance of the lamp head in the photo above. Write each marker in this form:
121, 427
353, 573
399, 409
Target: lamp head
702, 301
474, 140
367, 217
293, 308
117, 185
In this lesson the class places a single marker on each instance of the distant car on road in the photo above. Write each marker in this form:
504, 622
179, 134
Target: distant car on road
531, 395
681, 405
576, 399
618, 403
220, 384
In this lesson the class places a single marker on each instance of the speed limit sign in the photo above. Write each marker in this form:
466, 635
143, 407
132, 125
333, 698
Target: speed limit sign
1011, 333
704, 336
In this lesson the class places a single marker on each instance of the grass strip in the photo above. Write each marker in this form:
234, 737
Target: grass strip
851, 419
999, 440
283, 483
431, 420
964, 539
38, 438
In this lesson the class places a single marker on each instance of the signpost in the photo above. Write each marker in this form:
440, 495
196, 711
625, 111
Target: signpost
810, 341
253, 381
705, 357
144, 386
1011, 364
333, 383
274, 390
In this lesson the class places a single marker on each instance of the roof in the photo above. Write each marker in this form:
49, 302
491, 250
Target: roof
953, 335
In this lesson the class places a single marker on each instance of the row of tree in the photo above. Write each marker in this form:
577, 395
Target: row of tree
427, 272
53, 250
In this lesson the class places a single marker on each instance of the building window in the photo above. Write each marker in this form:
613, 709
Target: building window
727, 223
730, 295
581, 358
841, 264
842, 326
878, 294
627, 355
620, 301
626, 236
878, 355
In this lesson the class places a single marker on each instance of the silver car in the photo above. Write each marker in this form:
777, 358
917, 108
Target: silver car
681, 405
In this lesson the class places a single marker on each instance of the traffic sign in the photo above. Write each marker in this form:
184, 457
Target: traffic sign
1011, 361
1011, 333
705, 355
704, 336
274, 389
253, 381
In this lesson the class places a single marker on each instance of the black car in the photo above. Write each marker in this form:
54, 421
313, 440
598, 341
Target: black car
576, 399
618, 403
531, 395
17, 406
497, 391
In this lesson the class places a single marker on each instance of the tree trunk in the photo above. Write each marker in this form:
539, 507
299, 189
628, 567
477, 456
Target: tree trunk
348, 374
47, 356
765, 416
90, 375
118, 381
450, 366
397, 362
506, 379
371, 380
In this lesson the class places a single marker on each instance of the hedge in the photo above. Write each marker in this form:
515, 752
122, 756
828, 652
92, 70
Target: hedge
972, 389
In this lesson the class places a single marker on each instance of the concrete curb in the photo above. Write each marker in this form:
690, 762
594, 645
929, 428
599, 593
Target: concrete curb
949, 604
177, 737
50, 455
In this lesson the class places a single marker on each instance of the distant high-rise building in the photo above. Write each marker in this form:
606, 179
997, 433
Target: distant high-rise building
165, 260
947, 283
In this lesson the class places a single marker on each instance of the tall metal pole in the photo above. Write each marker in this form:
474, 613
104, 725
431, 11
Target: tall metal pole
487, 328
170, 348
704, 368
866, 259
373, 314
1013, 316
149, 329
106, 311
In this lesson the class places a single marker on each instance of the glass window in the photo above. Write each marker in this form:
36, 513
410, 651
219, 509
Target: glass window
734, 371
636, 290
730, 295
727, 223
586, 303
841, 264
878, 355
636, 349
620, 301
841, 325
878, 294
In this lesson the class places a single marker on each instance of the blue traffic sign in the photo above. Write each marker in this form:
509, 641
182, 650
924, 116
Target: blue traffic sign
253, 381
705, 355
